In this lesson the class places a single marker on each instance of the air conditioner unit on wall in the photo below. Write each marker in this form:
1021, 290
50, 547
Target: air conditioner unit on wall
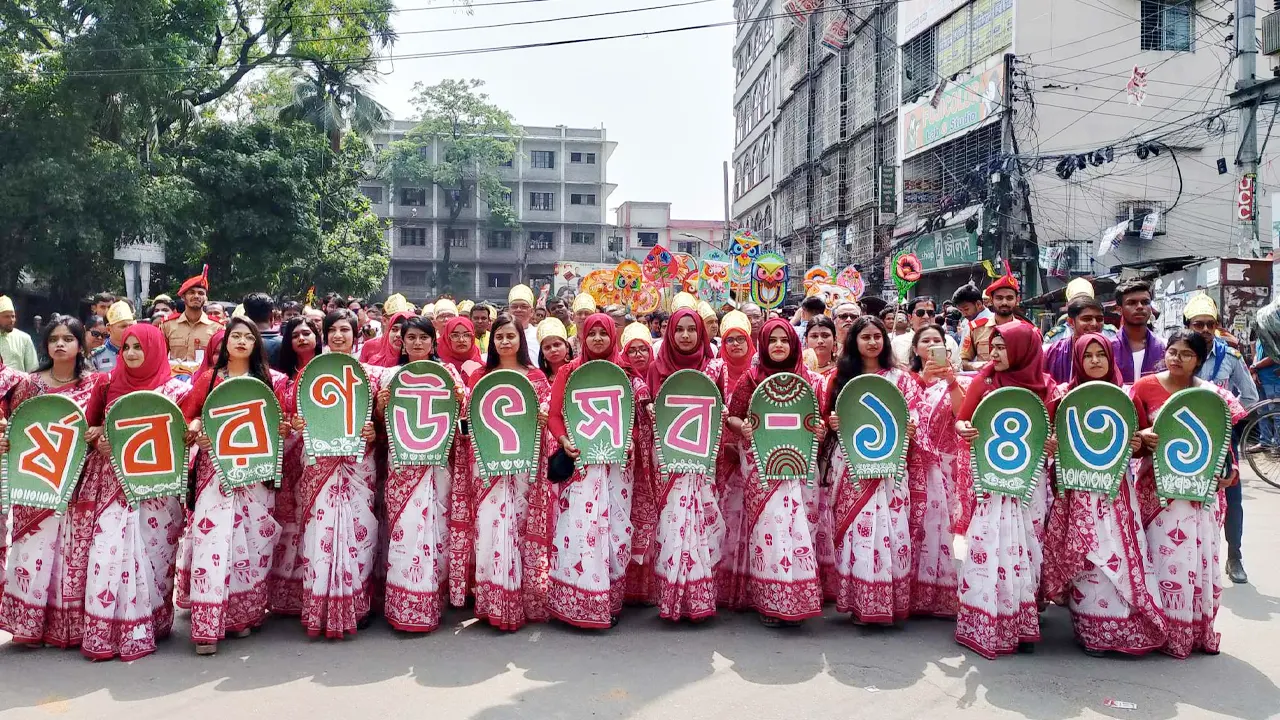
1135, 214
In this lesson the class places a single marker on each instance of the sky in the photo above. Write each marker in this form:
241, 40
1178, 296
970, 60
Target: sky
666, 100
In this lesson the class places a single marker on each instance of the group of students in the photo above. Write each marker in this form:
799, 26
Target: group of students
345, 539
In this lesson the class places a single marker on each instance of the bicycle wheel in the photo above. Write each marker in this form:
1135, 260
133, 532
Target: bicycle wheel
1260, 446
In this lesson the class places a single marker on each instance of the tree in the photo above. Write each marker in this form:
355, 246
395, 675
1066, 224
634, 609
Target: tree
334, 101
458, 144
279, 210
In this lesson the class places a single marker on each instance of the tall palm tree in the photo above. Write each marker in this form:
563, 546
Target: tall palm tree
335, 101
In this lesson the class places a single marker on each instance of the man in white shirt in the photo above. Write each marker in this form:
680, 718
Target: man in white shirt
921, 312
16, 348
520, 303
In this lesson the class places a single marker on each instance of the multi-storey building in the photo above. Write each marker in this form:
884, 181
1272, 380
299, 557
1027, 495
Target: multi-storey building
946, 127
640, 226
558, 182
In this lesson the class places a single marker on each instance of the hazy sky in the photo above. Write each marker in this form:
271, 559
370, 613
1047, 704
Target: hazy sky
666, 100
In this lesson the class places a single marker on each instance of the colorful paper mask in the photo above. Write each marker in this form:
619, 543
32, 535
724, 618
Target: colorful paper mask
769, 280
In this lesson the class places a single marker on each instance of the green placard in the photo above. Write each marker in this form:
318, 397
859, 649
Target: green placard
1012, 429
146, 431
242, 419
335, 402
873, 428
422, 414
687, 423
46, 452
784, 418
1095, 423
1194, 428
599, 412
504, 424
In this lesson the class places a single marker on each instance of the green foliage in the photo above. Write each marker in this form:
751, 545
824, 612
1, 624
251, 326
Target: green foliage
114, 130
459, 143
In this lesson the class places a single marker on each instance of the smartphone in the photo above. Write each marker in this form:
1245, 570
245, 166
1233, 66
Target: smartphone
938, 354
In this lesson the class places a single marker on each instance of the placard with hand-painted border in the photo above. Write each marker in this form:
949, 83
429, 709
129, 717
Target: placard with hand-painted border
873, 428
687, 424
599, 412
1095, 423
504, 424
241, 417
47, 450
1008, 454
422, 414
1194, 430
335, 400
784, 422
146, 432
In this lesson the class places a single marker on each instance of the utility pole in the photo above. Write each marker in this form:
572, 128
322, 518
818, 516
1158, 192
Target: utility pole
1247, 159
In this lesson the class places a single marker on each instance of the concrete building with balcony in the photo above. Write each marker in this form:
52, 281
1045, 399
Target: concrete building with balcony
640, 226
559, 185
939, 126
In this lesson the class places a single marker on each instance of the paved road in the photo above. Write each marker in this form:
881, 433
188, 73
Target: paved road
729, 668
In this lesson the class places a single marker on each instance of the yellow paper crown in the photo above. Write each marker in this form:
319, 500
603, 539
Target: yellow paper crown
1078, 287
735, 320
636, 331
520, 292
551, 328
445, 305
705, 311
119, 312
394, 304
584, 301
465, 306
684, 300
1200, 305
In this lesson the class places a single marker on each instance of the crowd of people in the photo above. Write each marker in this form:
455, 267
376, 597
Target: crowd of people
345, 540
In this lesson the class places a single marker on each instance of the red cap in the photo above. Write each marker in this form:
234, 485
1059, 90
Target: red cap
201, 280
1004, 281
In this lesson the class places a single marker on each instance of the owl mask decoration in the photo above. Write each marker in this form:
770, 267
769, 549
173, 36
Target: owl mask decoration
626, 280
686, 271
852, 279
743, 249
814, 277
713, 279
769, 280
599, 284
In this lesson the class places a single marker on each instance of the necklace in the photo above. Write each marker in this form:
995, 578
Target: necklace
59, 380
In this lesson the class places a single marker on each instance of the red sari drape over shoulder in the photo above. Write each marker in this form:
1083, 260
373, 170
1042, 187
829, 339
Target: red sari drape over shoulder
46, 574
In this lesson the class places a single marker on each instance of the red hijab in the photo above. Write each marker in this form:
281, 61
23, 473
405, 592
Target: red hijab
1026, 369
555, 419
215, 347
154, 371
444, 345
671, 359
736, 368
383, 354
794, 362
1078, 349
631, 369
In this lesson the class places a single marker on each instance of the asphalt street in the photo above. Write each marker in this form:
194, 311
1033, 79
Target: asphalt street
730, 667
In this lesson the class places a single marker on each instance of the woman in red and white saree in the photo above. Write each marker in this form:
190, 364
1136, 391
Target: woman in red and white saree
641, 476
45, 577
738, 351
222, 572
339, 527
1094, 548
940, 505
46, 571
999, 584
782, 577
591, 547
512, 531
284, 584
459, 353
129, 587
872, 574
418, 515
10, 379
690, 529
1183, 536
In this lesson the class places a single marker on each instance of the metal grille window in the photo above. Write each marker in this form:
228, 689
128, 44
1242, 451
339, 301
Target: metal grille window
582, 199
784, 209
582, 238
933, 175
500, 240
829, 92
373, 192
647, 239
863, 247
889, 143
498, 280
887, 88
786, 142
542, 159
799, 205
541, 240
793, 63
413, 278
413, 196
1168, 25
862, 169
862, 77
542, 201
829, 188
919, 65
457, 237
413, 237
1135, 211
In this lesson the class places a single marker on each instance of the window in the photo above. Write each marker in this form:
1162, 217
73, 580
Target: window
919, 65
647, 239
500, 240
460, 198
417, 278
424, 152
582, 199
509, 162
499, 280
413, 196
1167, 25
581, 157
373, 192
542, 159
506, 197
688, 247
615, 244
542, 201
582, 238
541, 240
413, 237
1136, 211
378, 147
457, 237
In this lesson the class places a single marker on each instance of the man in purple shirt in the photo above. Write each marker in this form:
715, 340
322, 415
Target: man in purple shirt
1084, 316
1137, 350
